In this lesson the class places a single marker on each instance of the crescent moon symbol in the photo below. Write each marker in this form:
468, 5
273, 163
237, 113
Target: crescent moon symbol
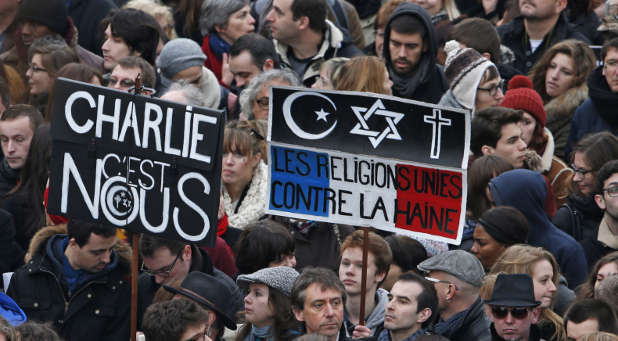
289, 120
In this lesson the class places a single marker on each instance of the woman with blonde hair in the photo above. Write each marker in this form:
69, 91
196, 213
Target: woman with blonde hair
244, 174
560, 78
366, 74
543, 268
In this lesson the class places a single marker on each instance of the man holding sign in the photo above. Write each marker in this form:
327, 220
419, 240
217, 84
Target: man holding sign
78, 280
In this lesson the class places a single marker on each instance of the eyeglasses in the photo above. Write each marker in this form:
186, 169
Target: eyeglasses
612, 191
580, 171
263, 102
517, 312
35, 68
435, 280
125, 83
493, 90
164, 271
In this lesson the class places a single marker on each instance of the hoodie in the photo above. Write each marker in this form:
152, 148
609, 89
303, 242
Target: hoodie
427, 82
375, 320
526, 191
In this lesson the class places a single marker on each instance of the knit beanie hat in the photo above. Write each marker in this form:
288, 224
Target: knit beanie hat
464, 69
179, 54
521, 96
50, 13
279, 277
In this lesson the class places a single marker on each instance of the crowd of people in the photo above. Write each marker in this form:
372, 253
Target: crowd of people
538, 258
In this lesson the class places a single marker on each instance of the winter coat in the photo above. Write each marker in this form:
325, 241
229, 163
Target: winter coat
602, 243
514, 36
375, 320
427, 83
470, 324
8, 177
560, 112
11, 253
97, 309
598, 113
86, 16
526, 191
579, 217
333, 45
557, 172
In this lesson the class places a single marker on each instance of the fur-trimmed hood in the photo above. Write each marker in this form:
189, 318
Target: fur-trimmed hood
565, 104
38, 245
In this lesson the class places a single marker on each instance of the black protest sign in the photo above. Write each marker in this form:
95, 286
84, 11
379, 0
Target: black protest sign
370, 124
135, 162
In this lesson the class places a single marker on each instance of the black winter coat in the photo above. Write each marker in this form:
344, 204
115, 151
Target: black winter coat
98, 309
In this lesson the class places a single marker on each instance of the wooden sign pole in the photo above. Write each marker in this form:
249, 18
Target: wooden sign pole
361, 319
134, 261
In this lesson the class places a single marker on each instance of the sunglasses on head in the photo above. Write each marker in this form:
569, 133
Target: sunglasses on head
516, 312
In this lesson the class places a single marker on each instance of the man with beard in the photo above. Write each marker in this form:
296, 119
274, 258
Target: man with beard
182, 60
410, 53
598, 112
540, 25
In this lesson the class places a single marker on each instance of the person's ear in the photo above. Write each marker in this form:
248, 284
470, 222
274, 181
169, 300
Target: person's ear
424, 315
300, 316
381, 276
487, 55
598, 198
560, 5
187, 252
536, 313
73, 242
303, 22
268, 65
487, 150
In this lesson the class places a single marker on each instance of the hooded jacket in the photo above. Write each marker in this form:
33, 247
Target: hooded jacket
560, 112
427, 82
597, 113
92, 307
526, 191
333, 45
375, 320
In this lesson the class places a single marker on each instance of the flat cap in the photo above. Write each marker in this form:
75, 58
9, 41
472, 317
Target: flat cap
458, 263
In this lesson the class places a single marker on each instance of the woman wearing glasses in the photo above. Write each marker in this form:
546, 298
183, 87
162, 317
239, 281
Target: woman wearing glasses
474, 81
580, 216
543, 268
45, 57
560, 78
254, 100
244, 174
540, 142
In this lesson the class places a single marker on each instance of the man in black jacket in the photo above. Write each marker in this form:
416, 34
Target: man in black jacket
410, 53
78, 281
541, 25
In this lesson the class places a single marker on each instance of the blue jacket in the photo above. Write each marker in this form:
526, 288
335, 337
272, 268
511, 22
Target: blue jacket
11, 311
526, 190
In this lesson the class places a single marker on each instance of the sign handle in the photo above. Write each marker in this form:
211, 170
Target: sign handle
134, 261
361, 319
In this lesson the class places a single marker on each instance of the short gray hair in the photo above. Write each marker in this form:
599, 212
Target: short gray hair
249, 95
192, 94
217, 13
326, 278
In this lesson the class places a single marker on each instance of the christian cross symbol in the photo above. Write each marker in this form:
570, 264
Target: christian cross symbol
437, 121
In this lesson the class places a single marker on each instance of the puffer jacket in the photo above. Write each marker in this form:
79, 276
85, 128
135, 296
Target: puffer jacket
97, 309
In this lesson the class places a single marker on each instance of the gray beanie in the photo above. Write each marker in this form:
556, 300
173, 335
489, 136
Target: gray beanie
279, 277
179, 54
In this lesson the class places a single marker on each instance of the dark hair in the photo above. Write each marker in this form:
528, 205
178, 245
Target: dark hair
139, 30
260, 49
598, 148
506, 225
284, 327
16, 111
376, 245
149, 244
33, 180
586, 289
480, 173
408, 24
592, 308
261, 243
36, 331
609, 168
428, 298
81, 230
610, 44
487, 126
468, 32
79, 72
326, 278
168, 320
147, 71
407, 252
314, 10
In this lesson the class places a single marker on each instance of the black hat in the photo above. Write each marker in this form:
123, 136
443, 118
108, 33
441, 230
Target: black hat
51, 13
209, 291
513, 290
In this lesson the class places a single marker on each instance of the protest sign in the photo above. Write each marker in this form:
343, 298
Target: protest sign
368, 160
135, 162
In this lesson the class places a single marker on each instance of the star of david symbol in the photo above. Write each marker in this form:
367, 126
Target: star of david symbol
376, 137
